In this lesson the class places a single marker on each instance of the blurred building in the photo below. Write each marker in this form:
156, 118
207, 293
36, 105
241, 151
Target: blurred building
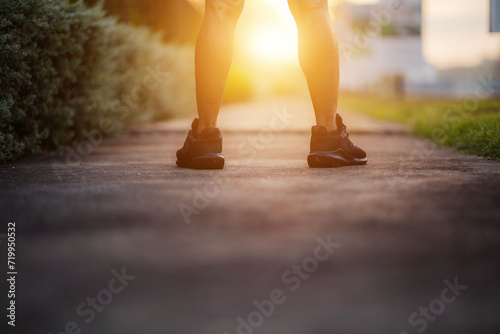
458, 42
427, 47
381, 47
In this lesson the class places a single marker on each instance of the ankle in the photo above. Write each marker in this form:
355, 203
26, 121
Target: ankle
330, 126
204, 125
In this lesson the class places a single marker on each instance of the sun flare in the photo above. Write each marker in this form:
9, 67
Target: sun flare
271, 34
274, 45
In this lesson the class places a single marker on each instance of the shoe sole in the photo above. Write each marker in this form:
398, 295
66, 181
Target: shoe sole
329, 159
206, 161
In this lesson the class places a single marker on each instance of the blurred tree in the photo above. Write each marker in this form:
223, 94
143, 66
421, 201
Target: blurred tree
177, 20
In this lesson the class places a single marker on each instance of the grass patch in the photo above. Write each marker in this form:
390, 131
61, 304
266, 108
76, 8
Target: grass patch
472, 126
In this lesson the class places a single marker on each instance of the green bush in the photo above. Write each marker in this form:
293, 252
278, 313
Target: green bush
66, 68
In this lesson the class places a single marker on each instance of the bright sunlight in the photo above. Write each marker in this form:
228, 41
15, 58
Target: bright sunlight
270, 32
274, 45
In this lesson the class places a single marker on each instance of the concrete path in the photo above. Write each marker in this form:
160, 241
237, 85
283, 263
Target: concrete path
125, 242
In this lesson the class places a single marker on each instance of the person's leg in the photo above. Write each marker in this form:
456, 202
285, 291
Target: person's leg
213, 57
319, 57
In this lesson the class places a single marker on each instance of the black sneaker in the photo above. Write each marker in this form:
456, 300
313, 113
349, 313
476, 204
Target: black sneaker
201, 151
334, 149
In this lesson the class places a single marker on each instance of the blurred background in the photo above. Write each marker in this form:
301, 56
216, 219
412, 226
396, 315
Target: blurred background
411, 64
427, 48
419, 63
408, 221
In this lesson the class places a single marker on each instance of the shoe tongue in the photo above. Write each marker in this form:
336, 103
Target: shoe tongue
339, 121
340, 125
194, 127
338, 117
